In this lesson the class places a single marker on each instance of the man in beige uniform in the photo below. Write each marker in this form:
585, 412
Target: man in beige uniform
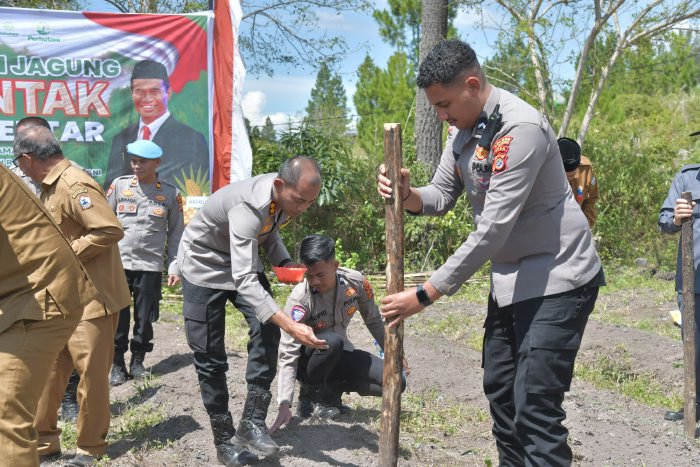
579, 172
80, 208
43, 288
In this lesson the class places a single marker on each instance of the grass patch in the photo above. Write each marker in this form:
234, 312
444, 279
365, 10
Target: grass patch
614, 372
454, 326
630, 279
135, 423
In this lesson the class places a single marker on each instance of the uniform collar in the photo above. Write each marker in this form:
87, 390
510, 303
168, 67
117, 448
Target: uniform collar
55, 173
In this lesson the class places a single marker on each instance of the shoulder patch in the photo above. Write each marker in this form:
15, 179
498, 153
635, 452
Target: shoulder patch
350, 292
298, 313
110, 190
85, 202
285, 223
81, 190
368, 289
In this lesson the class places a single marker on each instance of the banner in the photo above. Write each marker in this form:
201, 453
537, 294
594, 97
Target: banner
104, 80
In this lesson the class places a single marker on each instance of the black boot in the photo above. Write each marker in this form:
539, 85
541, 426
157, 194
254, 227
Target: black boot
305, 406
226, 452
252, 430
335, 397
69, 405
136, 365
118, 375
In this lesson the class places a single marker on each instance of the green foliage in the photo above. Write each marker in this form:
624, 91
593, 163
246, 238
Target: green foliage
327, 109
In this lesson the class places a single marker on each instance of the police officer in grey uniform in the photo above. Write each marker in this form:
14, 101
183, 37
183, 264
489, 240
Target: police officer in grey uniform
545, 272
671, 215
219, 262
150, 210
327, 300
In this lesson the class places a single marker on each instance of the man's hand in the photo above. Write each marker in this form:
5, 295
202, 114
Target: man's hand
406, 369
284, 416
300, 332
384, 184
173, 279
683, 210
400, 306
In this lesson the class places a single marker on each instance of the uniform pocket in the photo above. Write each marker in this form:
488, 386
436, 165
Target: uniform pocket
550, 362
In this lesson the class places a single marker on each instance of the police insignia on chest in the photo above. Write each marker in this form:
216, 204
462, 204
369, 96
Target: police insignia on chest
128, 193
158, 185
351, 311
134, 181
350, 292
273, 208
266, 228
160, 198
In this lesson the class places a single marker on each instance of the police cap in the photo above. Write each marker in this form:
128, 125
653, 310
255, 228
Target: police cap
150, 69
144, 148
570, 153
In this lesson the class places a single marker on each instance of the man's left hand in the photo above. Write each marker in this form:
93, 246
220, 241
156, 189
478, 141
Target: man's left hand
284, 416
173, 279
400, 306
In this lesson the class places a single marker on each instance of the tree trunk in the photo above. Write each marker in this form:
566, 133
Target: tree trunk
428, 126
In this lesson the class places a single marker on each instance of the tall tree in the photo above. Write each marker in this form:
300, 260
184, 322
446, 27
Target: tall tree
268, 132
428, 127
328, 107
399, 26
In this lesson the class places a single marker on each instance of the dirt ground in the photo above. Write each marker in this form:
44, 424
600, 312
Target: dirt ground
606, 428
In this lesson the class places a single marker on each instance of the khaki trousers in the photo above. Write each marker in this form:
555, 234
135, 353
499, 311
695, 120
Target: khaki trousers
90, 351
27, 350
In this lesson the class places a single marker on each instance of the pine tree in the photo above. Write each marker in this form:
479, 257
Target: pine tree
268, 132
327, 109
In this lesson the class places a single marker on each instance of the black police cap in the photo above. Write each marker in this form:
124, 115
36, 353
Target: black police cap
570, 153
150, 69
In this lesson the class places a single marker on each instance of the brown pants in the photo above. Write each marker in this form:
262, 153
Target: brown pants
27, 350
90, 351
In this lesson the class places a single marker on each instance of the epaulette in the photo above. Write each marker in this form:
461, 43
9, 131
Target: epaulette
71, 177
688, 167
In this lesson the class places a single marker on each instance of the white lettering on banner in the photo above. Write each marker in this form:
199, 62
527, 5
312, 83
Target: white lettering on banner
59, 67
89, 132
58, 96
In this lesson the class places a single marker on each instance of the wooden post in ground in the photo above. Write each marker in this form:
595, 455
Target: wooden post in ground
393, 337
688, 274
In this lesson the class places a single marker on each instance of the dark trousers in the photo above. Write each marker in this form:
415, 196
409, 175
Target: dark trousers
528, 360
145, 287
352, 371
205, 315
697, 340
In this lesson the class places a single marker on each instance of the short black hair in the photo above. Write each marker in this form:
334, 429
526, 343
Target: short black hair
26, 122
570, 153
150, 69
315, 248
446, 62
292, 169
38, 142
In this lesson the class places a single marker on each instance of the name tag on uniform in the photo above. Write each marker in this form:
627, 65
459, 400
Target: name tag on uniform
156, 211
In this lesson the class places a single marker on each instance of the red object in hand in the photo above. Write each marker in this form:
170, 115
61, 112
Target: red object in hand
289, 275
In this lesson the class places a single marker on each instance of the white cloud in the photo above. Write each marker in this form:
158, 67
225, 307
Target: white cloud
253, 107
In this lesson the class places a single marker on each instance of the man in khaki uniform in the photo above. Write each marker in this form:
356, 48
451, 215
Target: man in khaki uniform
43, 289
80, 208
579, 172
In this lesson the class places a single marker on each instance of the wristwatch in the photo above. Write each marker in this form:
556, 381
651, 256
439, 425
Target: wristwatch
422, 296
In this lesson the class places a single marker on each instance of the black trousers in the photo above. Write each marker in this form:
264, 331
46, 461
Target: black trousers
352, 371
205, 315
145, 287
528, 360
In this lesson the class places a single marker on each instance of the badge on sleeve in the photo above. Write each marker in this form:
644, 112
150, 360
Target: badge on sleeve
350, 292
368, 289
273, 208
85, 202
500, 152
500, 163
298, 313
78, 192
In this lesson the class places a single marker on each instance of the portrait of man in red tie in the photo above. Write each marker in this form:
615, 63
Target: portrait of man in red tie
185, 150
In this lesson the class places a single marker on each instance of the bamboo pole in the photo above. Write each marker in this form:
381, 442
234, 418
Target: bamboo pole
688, 274
393, 337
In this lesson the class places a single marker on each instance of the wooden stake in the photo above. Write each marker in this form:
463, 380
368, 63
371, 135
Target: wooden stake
393, 337
688, 268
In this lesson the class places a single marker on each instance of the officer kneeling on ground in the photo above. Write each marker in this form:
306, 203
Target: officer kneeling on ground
327, 300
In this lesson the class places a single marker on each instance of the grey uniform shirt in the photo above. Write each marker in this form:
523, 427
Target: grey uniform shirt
219, 248
687, 179
330, 310
151, 214
527, 221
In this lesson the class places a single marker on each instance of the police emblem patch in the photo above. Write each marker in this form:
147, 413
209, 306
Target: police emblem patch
85, 202
160, 198
298, 313
481, 153
350, 292
500, 163
351, 311
128, 193
320, 325
273, 208
266, 228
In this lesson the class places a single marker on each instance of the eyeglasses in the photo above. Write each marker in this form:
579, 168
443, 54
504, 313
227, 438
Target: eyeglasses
16, 159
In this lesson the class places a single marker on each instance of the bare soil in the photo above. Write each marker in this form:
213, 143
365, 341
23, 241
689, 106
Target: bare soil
606, 428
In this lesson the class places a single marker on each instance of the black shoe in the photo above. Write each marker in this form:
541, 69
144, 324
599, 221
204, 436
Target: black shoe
81, 460
136, 367
252, 431
680, 415
226, 452
118, 375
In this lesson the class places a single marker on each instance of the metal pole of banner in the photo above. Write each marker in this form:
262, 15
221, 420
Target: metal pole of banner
393, 337
688, 274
